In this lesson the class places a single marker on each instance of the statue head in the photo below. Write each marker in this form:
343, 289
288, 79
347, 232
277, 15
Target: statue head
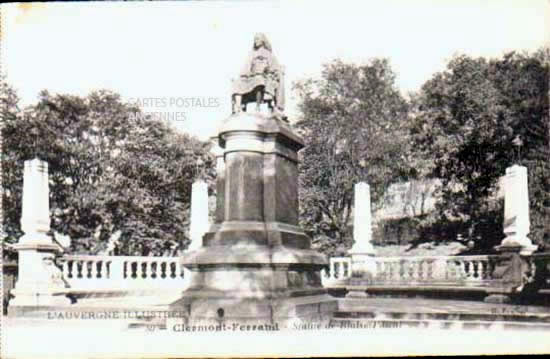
261, 40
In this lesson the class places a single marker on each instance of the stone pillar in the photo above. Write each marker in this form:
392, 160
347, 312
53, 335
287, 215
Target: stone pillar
512, 265
362, 220
39, 282
363, 266
516, 212
199, 213
257, 265
35, 216
220, 181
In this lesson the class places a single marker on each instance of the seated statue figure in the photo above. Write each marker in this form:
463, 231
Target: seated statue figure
261, 80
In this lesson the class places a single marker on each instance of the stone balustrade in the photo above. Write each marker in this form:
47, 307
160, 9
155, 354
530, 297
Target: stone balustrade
82, 272
339, 270
132, 273
437, 271
444, 270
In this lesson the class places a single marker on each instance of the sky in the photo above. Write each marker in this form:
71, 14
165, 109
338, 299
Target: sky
176, 59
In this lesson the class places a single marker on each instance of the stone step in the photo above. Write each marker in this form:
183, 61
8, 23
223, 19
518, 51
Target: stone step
341, 323
442, 316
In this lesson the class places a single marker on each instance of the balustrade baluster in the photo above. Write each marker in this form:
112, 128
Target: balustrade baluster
88, 269
410, 268
465, 268
142, 270
144, 273
430, 270
421, 263
79, 269
143, 265
401, 270
79, 265
136, 271
163, 270
99, 266
468, 269
99, 269
476, 270
154, 269
173, 270
126, 270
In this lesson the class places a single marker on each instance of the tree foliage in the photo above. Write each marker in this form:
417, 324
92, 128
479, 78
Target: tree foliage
353, 121
111, 169
469, 121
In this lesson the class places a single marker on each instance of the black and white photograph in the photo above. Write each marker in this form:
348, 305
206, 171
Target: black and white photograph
274, 178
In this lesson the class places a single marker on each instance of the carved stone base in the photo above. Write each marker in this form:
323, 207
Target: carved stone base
25, 302
282, 312
40, 282
251, 283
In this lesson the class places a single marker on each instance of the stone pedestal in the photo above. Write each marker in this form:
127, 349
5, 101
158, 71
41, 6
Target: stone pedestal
363, 266
39, 282
510, 270
256, 264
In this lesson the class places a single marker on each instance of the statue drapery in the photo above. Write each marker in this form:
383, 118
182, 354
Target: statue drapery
261, 79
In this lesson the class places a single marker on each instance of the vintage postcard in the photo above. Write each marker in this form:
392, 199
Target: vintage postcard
275, 178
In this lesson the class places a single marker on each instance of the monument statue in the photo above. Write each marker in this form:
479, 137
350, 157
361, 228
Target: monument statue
255, 264
261, 80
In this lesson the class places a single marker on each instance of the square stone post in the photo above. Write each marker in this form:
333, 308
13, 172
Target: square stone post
220, 182
516, 245
363, 266
199, 213
39, 282
516, 212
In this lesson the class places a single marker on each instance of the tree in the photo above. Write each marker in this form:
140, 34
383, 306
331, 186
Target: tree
353, 122
111, 169
8, 111
468, 119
